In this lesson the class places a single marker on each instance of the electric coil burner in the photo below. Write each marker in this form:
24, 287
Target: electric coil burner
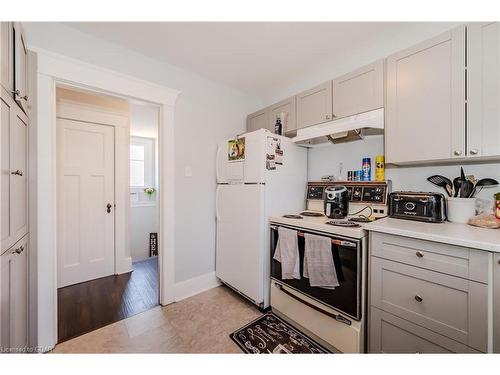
312, 214
343, 223
292, 216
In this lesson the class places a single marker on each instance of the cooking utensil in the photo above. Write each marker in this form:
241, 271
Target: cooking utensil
467, 188
482, 183
463, 184
457, 182
443, 182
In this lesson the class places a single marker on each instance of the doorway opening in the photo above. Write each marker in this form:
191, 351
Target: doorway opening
107, 209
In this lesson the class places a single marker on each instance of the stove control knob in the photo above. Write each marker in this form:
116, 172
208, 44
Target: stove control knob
410, 206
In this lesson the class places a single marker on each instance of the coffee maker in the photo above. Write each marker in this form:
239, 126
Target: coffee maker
336, 202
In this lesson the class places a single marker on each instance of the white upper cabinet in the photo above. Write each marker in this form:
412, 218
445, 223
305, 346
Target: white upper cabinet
359, 91
483, 86
425, 107
14, 62
315, 106
7, 56
286, 111
14, 180
20, 67
258, 120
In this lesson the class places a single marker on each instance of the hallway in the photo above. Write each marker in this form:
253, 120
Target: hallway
96, 303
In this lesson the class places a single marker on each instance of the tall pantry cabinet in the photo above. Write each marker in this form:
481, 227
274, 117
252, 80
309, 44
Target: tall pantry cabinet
14, 232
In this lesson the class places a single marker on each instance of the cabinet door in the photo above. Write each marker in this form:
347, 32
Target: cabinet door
285, 110
6, 56
14, 167
258, 120
315, 106
21, 67
483, 86
359, 91
425, 107
496, 303
14, 296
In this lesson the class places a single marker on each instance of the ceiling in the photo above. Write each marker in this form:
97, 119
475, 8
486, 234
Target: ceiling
253, 57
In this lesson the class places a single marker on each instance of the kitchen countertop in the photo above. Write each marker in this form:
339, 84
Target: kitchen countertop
450, 233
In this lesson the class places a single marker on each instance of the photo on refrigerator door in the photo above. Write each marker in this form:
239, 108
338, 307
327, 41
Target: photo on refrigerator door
236, 149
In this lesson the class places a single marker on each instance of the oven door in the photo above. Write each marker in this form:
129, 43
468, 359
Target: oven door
346, 252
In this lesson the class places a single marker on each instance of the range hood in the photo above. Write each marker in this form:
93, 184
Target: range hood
343, 130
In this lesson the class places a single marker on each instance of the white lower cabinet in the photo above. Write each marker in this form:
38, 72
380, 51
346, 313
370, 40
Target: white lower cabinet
14, 297
496, 303
426, 295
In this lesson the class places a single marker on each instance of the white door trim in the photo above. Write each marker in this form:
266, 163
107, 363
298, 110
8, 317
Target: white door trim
52, 69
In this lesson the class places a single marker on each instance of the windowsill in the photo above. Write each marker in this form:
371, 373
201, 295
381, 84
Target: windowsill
143, 204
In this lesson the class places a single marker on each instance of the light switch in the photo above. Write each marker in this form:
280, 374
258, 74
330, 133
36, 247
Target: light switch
187, 171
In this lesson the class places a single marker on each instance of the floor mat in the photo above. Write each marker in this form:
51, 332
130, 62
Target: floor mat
271, 334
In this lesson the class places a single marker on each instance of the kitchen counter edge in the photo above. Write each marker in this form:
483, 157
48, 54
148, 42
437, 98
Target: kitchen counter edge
449, 233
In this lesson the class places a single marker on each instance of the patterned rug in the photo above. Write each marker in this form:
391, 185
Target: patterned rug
271, 334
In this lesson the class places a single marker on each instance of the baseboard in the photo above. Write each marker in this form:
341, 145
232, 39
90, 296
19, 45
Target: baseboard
191, 287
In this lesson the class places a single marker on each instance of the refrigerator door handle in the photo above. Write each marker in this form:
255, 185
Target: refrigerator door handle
217, 164
217, 202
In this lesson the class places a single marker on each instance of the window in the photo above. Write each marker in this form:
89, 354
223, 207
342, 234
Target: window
142, 162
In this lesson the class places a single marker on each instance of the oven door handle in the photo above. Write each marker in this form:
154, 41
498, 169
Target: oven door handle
337, 317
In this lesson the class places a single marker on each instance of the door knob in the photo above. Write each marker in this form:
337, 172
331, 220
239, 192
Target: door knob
108, 206
474, 151
458, 152
419, 254
17, 172
418, 298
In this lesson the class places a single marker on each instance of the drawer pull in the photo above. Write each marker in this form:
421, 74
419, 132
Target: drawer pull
419, 254
418, 298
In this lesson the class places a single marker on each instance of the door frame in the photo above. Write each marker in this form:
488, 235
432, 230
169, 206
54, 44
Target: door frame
50, 70
86, 114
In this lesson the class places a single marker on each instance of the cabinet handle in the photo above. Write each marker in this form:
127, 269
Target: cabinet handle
457, 152
108, 208
18, 94
474, 151
17, 172
418, 298
419, 254
18, 251
328, 117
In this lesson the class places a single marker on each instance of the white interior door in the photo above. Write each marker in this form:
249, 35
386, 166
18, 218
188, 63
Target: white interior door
241, 244
85, 190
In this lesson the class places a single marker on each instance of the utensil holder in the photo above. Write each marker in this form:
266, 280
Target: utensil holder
460, 210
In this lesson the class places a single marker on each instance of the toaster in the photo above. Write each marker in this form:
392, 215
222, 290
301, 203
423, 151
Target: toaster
428, 207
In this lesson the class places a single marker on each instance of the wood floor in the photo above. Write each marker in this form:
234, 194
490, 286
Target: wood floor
93, 304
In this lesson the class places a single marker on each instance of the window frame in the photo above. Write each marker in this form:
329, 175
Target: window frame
149, 160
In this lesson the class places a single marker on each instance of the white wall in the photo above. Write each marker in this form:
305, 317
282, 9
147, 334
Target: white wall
143, 220
205, 112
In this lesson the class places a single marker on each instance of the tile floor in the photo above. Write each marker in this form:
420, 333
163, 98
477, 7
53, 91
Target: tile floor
199, 324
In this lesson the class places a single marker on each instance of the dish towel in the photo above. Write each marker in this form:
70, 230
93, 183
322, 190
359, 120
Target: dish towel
287, 253
318, 262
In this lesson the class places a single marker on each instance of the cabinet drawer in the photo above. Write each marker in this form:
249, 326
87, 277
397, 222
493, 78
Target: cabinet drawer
452, 260
390, 334
451, 306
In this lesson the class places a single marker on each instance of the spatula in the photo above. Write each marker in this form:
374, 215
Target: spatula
441, 181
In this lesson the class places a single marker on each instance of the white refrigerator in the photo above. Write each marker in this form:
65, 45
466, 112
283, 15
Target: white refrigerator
268, 178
